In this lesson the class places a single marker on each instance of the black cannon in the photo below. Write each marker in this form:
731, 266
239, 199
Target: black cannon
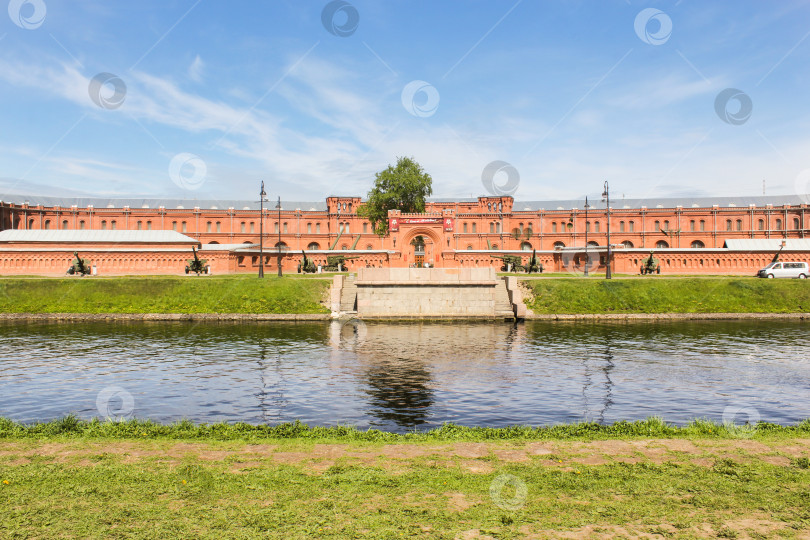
337, 263
196, 265
534, 265
650, 265
79, 266
306, 265
511, 263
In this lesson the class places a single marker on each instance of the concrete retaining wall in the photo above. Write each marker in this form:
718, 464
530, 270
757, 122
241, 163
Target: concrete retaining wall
426, 292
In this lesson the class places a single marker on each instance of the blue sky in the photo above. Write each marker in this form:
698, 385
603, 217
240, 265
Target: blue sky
221, 95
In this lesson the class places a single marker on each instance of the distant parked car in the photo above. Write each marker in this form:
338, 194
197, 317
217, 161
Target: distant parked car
785, 270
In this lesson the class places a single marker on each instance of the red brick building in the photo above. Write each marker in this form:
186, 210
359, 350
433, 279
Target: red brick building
688, 235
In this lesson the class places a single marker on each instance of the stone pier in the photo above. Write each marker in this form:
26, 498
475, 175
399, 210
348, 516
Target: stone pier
431, 293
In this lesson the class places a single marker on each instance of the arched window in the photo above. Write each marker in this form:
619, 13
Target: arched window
465, 227
280, 244
64, 224
778, 224
491, 227
469, 248
661, 244
553, 226
103, 224
593, 243
657, 225
739, 224
285, 227
666, 225
81, 224
242, 227
140, 225
526, 246
494, 246
596, 227
728, 224
795, 223
47, 223
183, 225
621, 226
697, 244
313, 246
628, 244
761, 224
559, 245
149, 226
30, 223
369, 247
174, 225
702, 225
632, 226
692, 225
474, 228
219, 227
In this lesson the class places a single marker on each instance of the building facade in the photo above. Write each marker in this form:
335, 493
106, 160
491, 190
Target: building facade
688, 236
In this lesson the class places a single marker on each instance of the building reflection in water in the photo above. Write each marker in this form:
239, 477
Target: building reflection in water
272, 401
398, 363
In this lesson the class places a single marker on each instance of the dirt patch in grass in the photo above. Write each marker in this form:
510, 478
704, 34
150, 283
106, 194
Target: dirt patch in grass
459, 502
479, 458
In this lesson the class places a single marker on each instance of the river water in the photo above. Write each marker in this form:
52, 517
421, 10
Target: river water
405, 376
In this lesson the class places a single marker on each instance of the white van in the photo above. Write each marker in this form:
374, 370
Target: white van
785, 270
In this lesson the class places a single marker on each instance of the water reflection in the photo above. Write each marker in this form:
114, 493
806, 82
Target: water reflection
407, 375
400, 391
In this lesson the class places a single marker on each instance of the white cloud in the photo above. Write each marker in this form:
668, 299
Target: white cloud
337, 130
195, 70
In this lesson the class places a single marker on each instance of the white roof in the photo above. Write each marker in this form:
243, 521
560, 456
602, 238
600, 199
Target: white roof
225, 247
768, 244
87, 236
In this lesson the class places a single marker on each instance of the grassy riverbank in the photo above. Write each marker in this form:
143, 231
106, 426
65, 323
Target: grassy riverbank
163, 294
143, 480
669, 295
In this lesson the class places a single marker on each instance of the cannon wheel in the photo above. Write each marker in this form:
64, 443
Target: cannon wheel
187, 269
658, 270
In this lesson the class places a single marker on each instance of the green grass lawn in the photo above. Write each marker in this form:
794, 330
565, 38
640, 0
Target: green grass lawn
69, 479
164, 294
669, 295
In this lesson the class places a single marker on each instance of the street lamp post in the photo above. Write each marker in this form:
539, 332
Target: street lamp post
606, 198
262, 198
279, 235
587, 226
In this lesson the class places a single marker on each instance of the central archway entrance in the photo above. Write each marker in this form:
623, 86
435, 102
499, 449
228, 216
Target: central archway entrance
418, 243
421, 247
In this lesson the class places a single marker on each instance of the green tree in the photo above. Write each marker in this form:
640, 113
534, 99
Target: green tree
402, 187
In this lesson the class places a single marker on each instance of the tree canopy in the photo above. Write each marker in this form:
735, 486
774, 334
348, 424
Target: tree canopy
402, 187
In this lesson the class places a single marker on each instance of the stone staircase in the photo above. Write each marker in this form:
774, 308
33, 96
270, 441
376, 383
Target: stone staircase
503, 307
348, 295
